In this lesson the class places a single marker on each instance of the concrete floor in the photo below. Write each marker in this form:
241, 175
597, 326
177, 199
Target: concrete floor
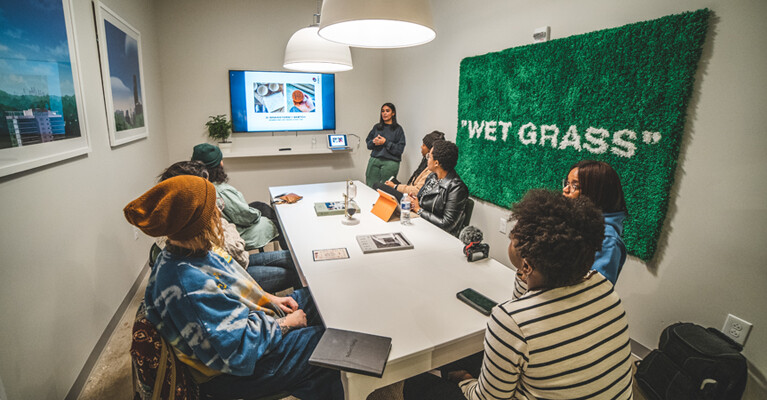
111, 375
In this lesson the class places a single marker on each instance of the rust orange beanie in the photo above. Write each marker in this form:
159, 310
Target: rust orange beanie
179, 208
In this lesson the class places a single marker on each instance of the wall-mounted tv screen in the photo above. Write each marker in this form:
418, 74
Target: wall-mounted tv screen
264, 101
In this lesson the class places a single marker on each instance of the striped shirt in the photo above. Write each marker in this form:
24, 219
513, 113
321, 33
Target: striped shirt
570, 342
520, 288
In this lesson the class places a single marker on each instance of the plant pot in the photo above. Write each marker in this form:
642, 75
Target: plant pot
225, 146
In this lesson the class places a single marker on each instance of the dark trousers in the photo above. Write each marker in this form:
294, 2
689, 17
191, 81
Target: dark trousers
286, 368
429, 387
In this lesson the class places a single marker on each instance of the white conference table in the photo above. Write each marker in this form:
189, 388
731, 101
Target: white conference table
408, 295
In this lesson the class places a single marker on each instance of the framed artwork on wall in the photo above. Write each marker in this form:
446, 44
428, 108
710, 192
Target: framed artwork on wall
42, 117
122, 76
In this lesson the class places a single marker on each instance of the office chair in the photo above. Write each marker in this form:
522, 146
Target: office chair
154, 252
468, 209
157, 373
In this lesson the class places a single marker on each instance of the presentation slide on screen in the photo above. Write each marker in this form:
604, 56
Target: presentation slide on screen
281, 101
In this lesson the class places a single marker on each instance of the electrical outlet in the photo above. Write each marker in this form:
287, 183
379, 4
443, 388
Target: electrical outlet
737, 329
502, 225
135, 233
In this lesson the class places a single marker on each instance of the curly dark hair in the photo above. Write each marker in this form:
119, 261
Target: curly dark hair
601, 184
196, 168
557, 236
217, 174
446, 152
432, 137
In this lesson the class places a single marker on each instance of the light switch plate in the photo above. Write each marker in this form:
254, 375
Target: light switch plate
541, 34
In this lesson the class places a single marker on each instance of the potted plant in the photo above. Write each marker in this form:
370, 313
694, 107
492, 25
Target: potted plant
219, 128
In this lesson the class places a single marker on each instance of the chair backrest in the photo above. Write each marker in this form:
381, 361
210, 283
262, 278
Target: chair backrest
468, 209
154, 252
157, 373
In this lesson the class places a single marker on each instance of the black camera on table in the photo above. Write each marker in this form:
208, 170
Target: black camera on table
474, 249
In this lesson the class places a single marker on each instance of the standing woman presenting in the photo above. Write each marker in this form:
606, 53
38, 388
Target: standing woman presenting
387, 142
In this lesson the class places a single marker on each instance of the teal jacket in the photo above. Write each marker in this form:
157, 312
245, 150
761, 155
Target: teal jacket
256, 231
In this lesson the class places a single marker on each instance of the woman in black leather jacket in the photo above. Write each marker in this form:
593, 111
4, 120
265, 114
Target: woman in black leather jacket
442, 198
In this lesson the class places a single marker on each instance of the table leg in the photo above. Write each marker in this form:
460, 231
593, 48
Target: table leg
355, 389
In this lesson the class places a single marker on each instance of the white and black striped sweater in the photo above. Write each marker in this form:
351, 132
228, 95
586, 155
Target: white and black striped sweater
566, 343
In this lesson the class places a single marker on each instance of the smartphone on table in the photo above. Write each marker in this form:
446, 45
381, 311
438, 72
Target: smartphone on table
476, 301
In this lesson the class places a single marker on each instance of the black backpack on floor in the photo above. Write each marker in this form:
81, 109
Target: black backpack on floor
693, 363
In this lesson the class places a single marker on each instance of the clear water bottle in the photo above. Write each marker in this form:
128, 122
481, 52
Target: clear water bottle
405, 209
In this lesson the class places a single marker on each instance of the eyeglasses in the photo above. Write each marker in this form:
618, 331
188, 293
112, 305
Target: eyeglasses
574, 186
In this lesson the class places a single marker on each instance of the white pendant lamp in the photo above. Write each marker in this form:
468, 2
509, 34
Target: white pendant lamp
307, 51
376, 23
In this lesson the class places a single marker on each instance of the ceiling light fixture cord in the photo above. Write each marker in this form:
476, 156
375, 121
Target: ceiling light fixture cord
316, 19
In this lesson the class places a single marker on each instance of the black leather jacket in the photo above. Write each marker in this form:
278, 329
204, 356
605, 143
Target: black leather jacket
443, 201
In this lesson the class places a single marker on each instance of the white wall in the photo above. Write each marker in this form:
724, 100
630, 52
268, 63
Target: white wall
68, 256
711, 260
200, 41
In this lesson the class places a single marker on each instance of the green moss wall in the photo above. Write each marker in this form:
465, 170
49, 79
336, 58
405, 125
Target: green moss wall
619, 95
